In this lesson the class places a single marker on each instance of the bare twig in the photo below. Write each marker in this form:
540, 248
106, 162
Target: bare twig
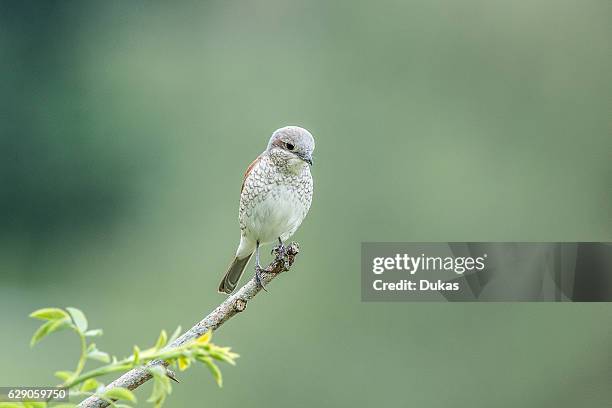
231, 306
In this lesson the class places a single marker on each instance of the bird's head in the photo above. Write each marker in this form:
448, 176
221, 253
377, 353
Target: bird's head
292, 144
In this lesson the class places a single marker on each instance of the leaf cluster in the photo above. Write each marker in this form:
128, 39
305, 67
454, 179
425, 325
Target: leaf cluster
84, 383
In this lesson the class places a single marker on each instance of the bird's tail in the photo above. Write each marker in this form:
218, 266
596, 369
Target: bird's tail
233, 274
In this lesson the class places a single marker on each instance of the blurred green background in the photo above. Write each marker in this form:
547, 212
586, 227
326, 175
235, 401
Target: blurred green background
125, 129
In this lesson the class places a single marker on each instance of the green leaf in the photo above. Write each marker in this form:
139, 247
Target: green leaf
161, 386
48, 328
65, 406
120, 393
93, 333
222, 357
99, 356
136, 355
49, 313
158, 393
95, 354
10, 405
157, 371
213, 369
90, 384
64, 375
161, 340
32, 404
78, 318
175, 335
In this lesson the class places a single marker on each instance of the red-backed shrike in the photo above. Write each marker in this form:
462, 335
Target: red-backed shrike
275, 197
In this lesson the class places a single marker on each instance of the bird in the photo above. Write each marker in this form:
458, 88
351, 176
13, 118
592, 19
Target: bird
275, 197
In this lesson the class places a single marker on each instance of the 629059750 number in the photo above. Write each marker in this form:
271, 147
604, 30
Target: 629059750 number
33, 394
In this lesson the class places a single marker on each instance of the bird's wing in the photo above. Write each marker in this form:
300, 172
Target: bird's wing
248, 171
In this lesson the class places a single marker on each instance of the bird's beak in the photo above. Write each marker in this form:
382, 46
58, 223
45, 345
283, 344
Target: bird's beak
307, 158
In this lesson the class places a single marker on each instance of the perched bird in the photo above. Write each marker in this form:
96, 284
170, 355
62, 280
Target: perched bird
274, 199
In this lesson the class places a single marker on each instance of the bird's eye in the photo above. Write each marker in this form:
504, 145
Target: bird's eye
289, 146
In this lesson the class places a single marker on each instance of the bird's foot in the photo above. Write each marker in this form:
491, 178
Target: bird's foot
281, 254
258, 271
280, 251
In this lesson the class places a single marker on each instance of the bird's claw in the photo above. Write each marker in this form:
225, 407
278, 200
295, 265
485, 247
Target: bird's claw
280, 251
258, 271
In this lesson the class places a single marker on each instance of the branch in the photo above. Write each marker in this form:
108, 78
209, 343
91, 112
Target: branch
230, 307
